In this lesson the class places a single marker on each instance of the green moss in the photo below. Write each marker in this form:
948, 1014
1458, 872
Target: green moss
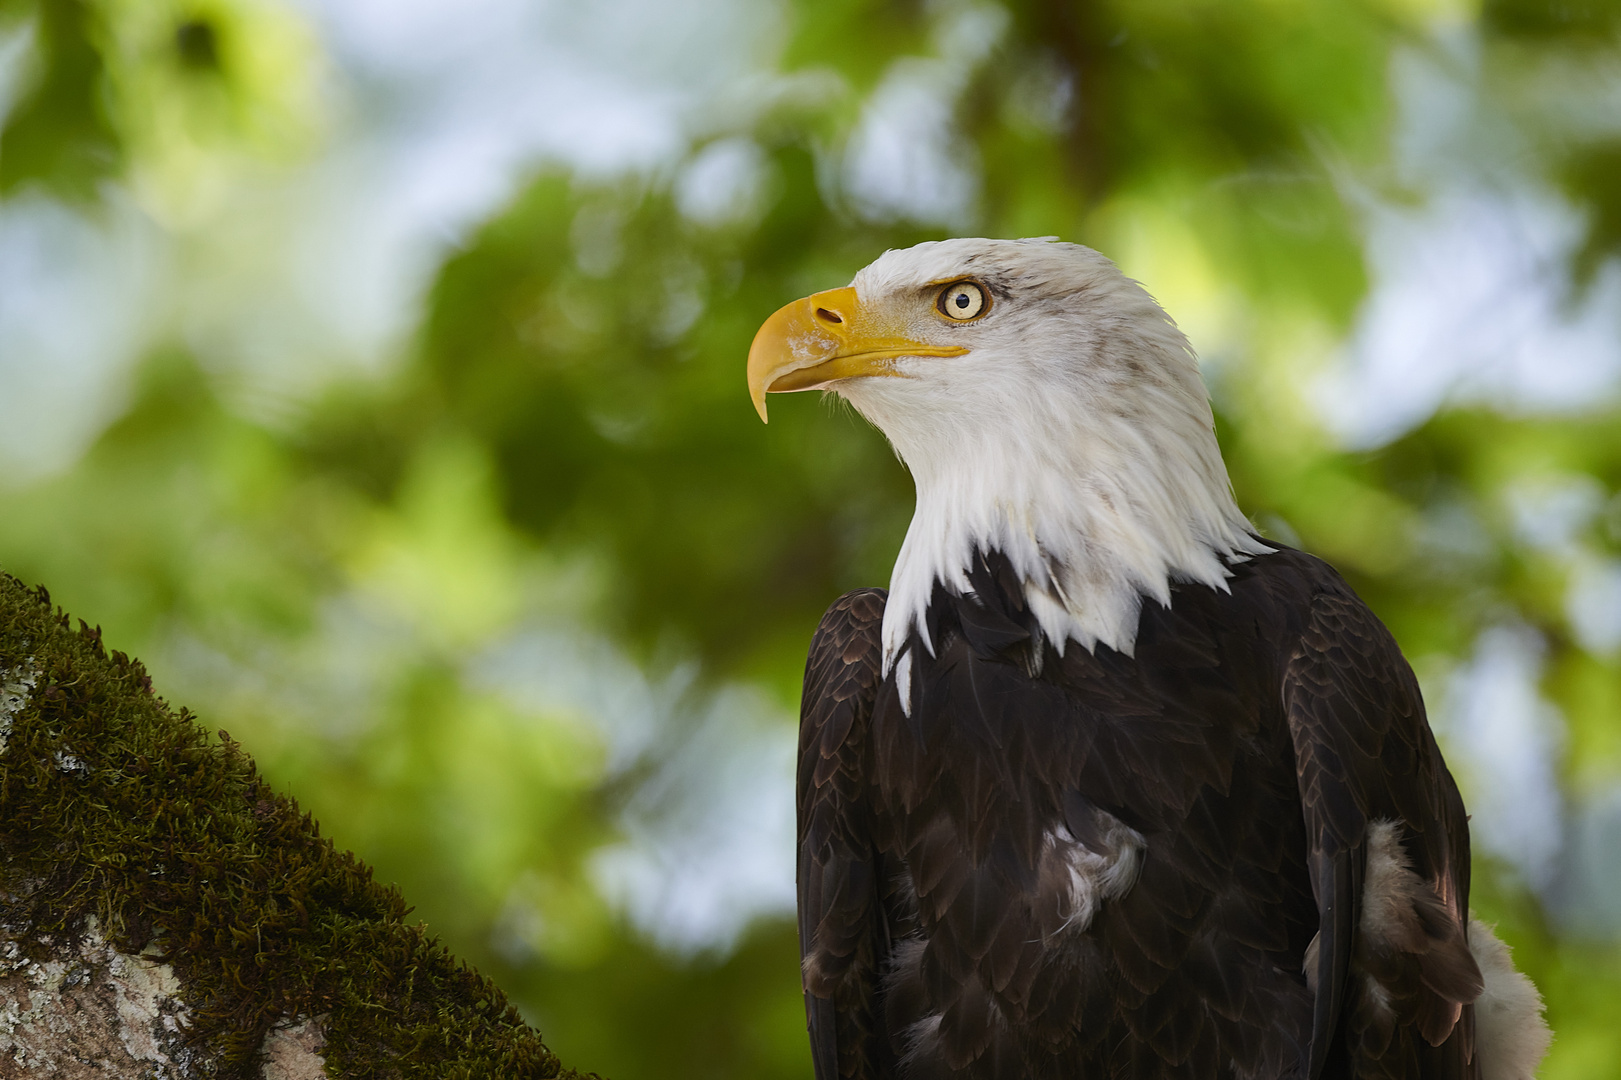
116, 806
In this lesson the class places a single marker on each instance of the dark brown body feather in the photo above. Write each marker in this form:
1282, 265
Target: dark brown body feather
1236, 763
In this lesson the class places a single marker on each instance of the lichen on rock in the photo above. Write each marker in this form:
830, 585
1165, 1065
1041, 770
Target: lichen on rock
15, 686
87, 1009
293, 1051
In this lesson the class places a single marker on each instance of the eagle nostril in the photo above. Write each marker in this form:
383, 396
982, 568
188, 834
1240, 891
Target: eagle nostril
829, 316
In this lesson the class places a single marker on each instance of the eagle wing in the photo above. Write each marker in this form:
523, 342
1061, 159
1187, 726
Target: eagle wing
1388, 855
843, 930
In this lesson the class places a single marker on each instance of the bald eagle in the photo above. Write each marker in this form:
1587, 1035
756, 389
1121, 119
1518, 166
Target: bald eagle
1106, 784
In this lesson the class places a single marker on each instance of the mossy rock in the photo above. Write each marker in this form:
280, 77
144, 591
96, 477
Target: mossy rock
122, 817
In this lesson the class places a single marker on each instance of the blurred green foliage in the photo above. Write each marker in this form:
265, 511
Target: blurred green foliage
567, 436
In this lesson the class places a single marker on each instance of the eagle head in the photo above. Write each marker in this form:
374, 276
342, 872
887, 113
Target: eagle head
1048, 409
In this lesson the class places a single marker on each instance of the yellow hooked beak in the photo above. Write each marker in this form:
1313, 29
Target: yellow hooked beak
822, 339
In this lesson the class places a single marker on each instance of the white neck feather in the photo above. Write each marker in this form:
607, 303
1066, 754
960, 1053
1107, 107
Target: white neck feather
1101, 523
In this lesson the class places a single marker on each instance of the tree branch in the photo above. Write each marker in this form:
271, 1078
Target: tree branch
163, 913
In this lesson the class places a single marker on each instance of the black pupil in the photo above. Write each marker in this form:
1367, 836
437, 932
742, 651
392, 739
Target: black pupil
962, 300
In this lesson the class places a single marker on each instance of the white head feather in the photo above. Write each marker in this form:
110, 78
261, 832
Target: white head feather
1075, 437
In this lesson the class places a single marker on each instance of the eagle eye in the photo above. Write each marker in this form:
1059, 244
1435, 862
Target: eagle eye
962, 301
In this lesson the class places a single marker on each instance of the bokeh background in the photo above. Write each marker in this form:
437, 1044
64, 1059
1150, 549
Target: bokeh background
373, 369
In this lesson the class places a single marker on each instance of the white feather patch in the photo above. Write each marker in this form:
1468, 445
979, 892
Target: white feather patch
1089, 878
1511, 1036
1390, 889
903, 681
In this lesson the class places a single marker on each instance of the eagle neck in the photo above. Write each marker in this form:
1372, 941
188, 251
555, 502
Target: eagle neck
1091, 522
